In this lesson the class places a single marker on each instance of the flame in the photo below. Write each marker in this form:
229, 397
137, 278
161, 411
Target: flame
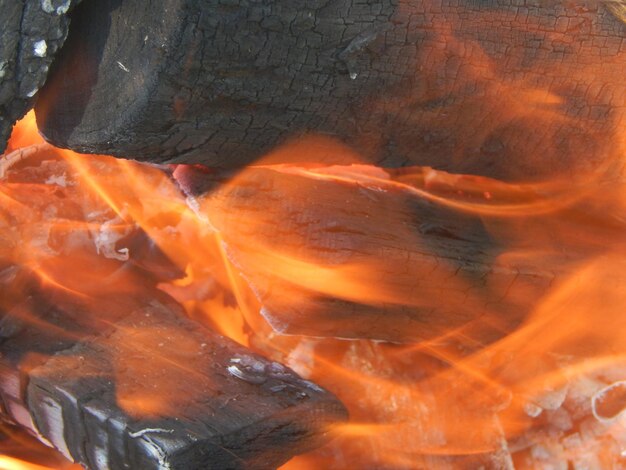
19, 451
463, 393
87, 230
26, 134
9, 463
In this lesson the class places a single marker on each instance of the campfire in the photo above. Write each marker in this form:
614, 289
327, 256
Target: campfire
436, 283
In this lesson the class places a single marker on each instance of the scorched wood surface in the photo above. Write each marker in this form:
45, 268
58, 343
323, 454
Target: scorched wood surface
508, 89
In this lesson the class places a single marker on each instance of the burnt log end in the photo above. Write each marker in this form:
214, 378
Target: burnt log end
491, 88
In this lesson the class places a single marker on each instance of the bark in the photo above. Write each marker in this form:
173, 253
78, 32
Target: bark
130, 383
505, 89
31, 32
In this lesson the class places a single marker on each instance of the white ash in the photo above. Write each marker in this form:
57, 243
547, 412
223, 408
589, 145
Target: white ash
577, 434
157, 452
552, 399
106, 237
591, 429
580, 393
302, 358
40, 48
248, 369
532, 409
560, 420
102, 457
58, 180
150, 430
41, 234
122, 66
56, 7
11, 159
193, 203
311, 385
612, 394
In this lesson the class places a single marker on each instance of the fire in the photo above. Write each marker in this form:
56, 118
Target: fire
465, 321
470, 389
25, 134
19, 451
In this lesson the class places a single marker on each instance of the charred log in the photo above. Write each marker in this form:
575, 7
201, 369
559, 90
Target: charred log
353, 255
137, 385
491, 88
31, 32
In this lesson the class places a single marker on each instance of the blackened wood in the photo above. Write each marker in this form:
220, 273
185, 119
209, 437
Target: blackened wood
129, 383
364, 259
494, 88
31, 32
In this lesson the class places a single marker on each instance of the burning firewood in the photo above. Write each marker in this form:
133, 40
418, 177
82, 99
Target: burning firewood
618, 8
358, 252
141, 386
100, 364
534, 377
499, 89
31, 32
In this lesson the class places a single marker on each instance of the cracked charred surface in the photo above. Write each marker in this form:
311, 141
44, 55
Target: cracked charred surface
31, 32
514, 90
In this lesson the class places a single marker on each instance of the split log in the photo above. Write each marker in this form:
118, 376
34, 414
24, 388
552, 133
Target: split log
130, 383
353, 255
31, 32
494, 88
